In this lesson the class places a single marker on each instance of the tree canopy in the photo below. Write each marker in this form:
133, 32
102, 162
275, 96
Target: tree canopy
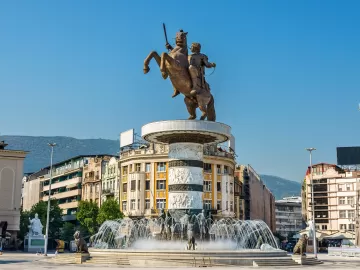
86, 215
109, 210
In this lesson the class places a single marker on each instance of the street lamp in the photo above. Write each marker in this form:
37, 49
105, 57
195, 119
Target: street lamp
312, 201
52, 145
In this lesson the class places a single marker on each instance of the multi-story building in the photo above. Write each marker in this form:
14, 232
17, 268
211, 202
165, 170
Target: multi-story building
11, 174
66, 186
335, 198
257, 201
144, 181
111, 181
288, 215
92, 174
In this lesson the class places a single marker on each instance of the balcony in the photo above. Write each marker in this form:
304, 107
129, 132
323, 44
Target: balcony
62, 195
69, 205
108, 192
65, 183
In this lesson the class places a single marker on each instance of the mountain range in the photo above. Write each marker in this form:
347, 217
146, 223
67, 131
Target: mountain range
67, 147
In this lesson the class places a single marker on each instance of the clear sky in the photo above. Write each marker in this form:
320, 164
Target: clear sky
287, 73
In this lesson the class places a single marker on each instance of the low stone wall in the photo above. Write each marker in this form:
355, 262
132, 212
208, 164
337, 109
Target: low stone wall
158, 258
345, 252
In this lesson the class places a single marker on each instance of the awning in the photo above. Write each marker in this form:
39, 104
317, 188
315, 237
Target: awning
319, 235
341, 235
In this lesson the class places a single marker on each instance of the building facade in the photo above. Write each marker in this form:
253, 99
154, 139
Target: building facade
11, 175
335, 198
92, 174
144, 181
66, 185
256, 201
111, 181
288, 215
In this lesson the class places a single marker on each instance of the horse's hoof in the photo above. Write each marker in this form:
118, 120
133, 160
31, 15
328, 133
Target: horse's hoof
203, 117
146, 70
192, 117
164, 75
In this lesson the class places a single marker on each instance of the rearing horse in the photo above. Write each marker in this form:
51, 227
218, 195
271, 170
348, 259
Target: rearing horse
176, 66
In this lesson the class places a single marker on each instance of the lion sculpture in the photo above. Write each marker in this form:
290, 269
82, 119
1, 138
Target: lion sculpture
80, 243
300, 247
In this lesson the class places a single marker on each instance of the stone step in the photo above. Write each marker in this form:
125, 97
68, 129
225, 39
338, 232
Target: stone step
275, 262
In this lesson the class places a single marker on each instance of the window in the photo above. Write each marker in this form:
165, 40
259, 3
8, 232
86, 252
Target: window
130, 168
160, 184
161, 167
207, 167
352, 227
125, 187
226, 189
351, 213
218, 186
207, 204
132, 207
218, 169
139, 184
231, 206
125, 170
226, 169
147, 167
348, 187
138, 204
227, 205
147, 204
207, 185
147, 185
324, 227
342, 200
231, 188
218, 205
138, 167
160, 203
350, 200
124, 206
342, 226
342, 214
133, 185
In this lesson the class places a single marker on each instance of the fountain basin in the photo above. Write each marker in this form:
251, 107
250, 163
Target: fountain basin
184, 258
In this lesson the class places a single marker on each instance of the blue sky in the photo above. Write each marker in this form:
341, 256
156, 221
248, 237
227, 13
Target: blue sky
287, 73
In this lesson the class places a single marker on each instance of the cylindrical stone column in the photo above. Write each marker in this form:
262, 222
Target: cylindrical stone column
185, 177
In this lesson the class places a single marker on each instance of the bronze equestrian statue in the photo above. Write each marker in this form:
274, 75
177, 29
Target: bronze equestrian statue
175, 65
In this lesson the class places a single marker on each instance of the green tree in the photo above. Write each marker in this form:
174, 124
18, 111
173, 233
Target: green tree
109, 210
55, 221
67, 232
24, 224
86, 215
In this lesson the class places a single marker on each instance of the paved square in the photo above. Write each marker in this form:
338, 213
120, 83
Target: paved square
25, 261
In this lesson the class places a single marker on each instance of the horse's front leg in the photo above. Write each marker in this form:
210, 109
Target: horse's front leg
152, 55
165, 57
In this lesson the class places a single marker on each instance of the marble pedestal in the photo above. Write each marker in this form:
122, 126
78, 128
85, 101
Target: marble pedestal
34, 243
186, 140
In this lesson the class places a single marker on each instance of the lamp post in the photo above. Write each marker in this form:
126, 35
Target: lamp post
52, 145
312, 201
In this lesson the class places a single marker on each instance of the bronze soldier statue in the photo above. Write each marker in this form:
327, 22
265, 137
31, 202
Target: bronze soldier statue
198, 62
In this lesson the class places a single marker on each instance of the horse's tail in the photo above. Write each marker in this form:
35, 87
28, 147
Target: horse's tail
211, 114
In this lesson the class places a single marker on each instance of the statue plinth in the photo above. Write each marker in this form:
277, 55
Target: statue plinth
186, 139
